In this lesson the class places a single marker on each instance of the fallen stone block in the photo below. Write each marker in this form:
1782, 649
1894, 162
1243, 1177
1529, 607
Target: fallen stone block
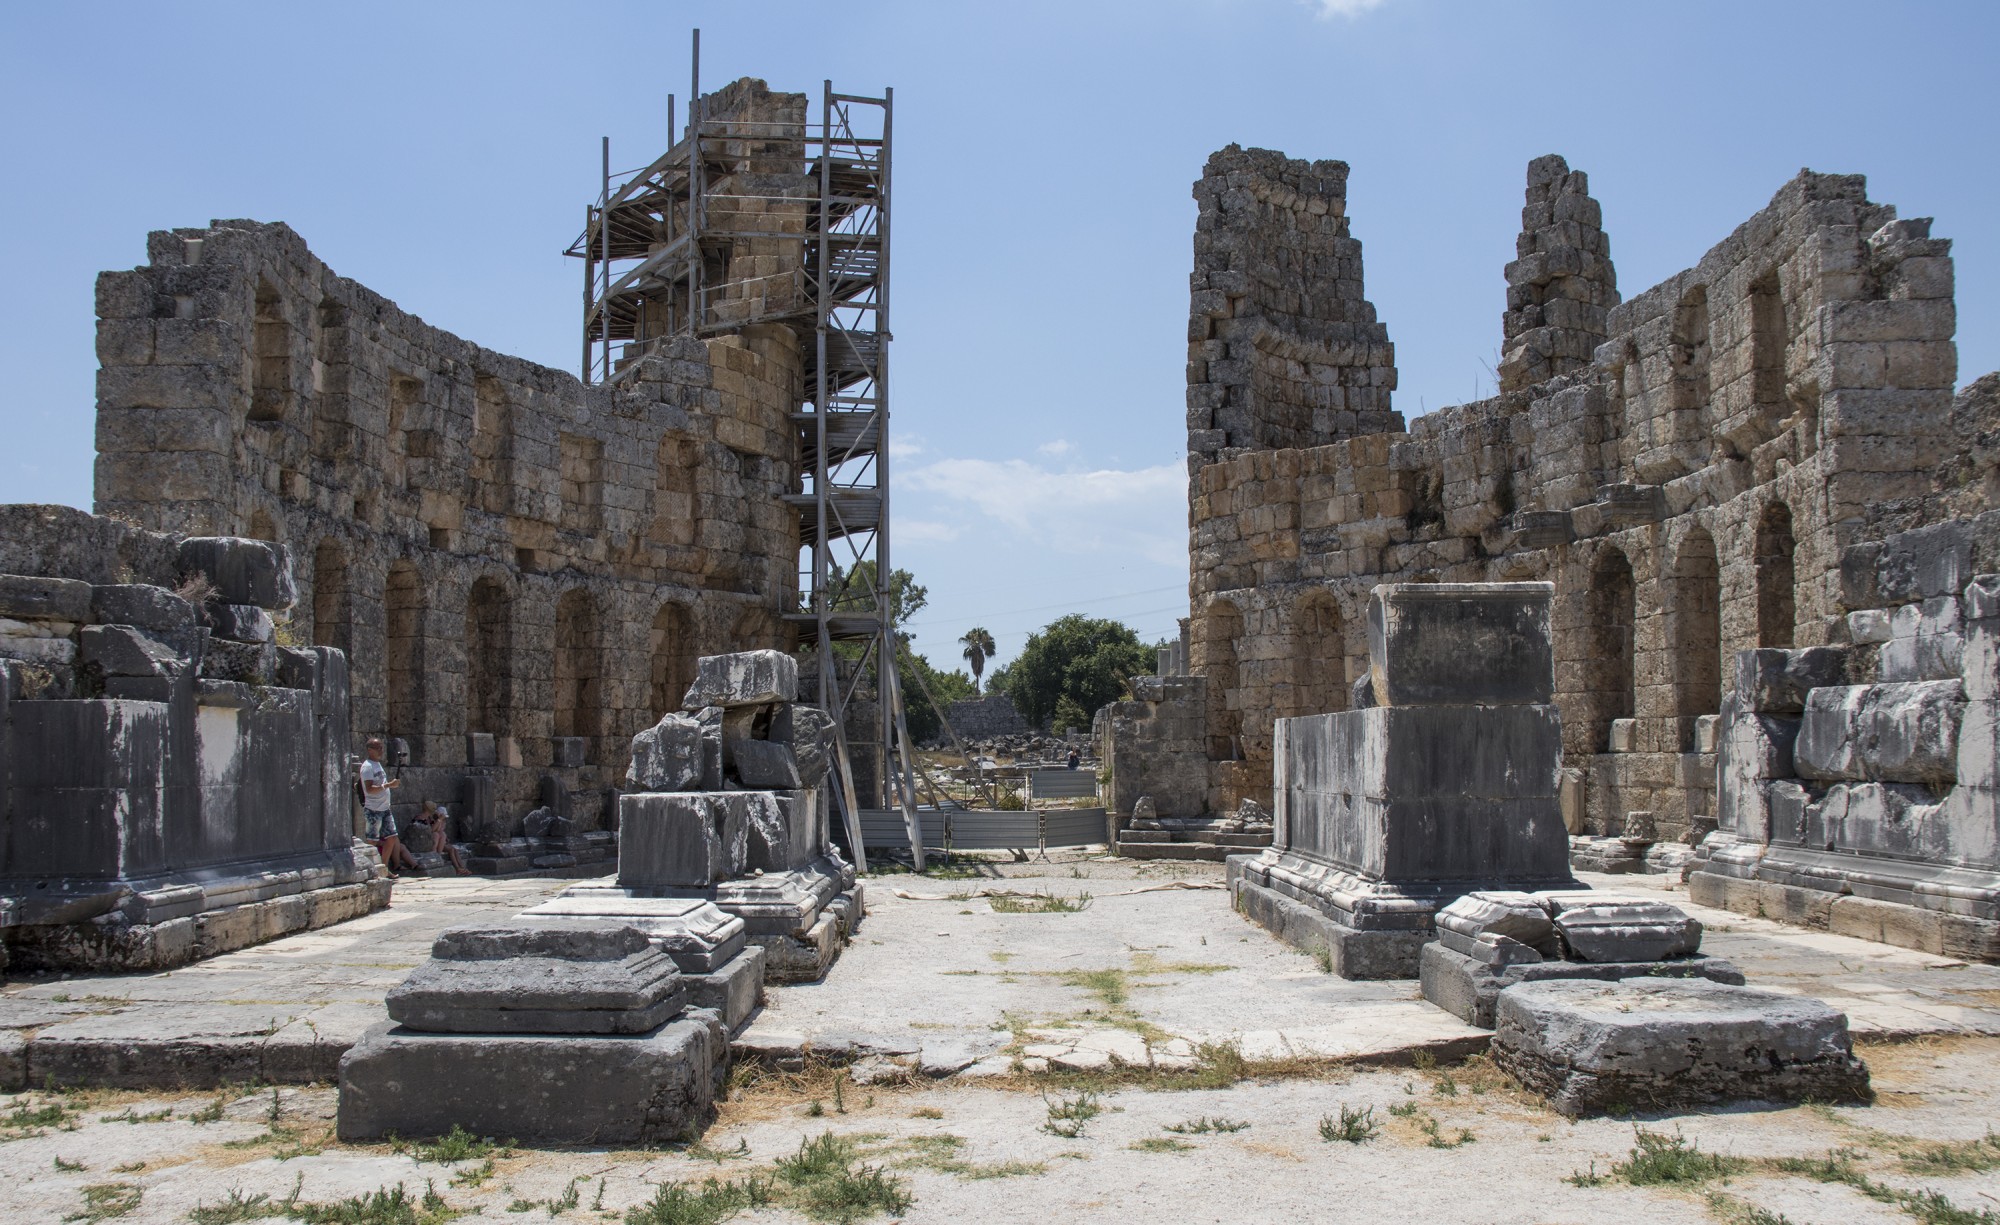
1469, 988
1626, 931
666, 756
746, 678
810, 733
693, 931
1666, 1044
1522, 917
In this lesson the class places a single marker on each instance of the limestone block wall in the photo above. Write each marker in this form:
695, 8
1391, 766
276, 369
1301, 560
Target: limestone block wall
502, 552
1691, 488
1283, 349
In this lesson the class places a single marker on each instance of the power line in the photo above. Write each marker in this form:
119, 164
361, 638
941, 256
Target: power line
1008, 612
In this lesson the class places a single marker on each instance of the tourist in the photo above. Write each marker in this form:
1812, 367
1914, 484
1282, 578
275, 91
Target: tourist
375, 788
1074, 758
432, 827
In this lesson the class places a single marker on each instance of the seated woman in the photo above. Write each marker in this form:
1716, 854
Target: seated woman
431, 830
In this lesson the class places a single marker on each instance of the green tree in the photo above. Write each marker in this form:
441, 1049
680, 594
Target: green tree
1084, 660
979, 648
854, 591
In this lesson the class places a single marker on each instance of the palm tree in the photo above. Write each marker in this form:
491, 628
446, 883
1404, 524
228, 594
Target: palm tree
978, 649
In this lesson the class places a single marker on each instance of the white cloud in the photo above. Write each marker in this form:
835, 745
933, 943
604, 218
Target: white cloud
904, 448
1060, 446
1111, 511
1329, 9
924, 531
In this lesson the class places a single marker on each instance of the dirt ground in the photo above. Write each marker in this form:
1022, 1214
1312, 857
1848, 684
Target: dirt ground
1142, 1051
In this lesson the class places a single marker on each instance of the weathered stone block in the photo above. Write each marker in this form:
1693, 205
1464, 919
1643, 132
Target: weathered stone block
122, 650
141, 605
1663, 1044
1460, 644
1469, 987
532, 977
1626, 930
250, 663
238, 622
693, 931
810, 732
30, 598
243, 571
1521, 917
764, 765
746, 678
1895, 732
666, 756
678, 841
1775, 680
539, 1089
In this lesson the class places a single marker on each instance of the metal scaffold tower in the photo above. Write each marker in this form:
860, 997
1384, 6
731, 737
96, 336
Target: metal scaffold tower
662, 248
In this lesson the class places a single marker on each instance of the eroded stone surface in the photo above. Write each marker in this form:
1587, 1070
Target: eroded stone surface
1649, 1043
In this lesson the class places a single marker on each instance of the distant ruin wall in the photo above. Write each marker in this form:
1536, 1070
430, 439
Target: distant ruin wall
982, 718
514, 563
1692, 489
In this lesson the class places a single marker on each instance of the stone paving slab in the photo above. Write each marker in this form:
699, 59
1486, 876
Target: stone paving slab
282, 1012
938, 979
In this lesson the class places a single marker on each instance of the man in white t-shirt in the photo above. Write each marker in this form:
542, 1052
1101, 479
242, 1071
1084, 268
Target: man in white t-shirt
375, 788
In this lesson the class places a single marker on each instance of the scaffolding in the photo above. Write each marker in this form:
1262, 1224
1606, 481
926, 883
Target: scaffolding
756, 218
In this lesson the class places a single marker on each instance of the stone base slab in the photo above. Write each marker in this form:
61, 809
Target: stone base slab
536, 1088
801, 957
1912, 927
735, 991
1470, 989
108, 945
1197, 851
1353, 954
1667, 1044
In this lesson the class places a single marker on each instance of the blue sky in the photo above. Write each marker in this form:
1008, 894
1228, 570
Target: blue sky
443, 153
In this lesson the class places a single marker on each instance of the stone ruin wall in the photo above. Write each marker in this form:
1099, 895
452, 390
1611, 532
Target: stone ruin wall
521, 569
1688, 467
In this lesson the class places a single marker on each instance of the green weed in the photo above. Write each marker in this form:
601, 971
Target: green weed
1069, 1116
107, 1201
1160, 1144
1205, 1125
710, 1203
1037, 903
1353, 1126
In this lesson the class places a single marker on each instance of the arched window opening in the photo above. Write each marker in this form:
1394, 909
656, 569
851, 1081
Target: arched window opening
1221, 629
271, 358
1777, 603
1697, 631
1689, 349
1610, 664
489, 682
403, 652
579, 691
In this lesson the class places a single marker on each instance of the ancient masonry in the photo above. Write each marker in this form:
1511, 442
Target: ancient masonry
516, 572
1763, 451
521, 570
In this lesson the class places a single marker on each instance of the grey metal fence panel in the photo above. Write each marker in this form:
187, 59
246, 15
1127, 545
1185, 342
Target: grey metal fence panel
1063, 784
979, 830
1075, 827
885, 828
